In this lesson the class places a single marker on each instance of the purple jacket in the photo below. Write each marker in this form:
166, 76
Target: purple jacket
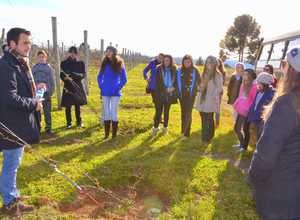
151, 66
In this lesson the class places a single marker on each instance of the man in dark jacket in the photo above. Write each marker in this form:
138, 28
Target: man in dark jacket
18, 111
72, 73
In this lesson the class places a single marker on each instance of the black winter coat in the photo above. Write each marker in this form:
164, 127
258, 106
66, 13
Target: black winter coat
73, 92
161, 94
17, 104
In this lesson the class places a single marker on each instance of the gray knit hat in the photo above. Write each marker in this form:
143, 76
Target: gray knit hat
265, 78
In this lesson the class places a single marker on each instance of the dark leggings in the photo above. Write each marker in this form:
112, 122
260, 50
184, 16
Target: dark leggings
159, 109
208, 126
69, 115
242, 130
186, 105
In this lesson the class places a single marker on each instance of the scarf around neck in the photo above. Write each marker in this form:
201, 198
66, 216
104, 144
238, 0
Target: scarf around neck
24, 64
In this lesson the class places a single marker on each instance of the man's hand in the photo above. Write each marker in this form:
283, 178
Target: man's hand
170, 90
39, 106
67, 77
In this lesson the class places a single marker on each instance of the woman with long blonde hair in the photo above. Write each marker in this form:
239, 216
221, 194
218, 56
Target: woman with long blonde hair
208, 99
275, 167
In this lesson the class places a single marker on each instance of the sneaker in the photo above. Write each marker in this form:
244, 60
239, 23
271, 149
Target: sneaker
238, 146
69, 126
165, 130
241, 150
81, 125
155, 131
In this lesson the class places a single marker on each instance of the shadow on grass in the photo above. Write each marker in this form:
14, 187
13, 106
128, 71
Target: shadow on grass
233, 196
165, 169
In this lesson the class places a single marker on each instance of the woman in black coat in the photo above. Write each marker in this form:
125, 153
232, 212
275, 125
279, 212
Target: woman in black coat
165, 94
274, 173
72, 73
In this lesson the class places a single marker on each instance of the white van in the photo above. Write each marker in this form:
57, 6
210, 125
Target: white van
273, 51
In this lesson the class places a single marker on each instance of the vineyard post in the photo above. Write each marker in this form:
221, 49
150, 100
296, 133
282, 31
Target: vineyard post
57, 61
102, 48
86, 61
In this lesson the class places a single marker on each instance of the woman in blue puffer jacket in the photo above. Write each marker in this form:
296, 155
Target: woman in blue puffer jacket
111, 79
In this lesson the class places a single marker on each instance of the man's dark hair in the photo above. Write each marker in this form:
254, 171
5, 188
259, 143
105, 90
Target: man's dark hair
73, 49
14, 34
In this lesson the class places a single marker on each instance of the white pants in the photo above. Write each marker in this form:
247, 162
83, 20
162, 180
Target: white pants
110, 107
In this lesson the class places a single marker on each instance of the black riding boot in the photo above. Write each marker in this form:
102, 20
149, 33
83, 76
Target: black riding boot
114, 129
106, 128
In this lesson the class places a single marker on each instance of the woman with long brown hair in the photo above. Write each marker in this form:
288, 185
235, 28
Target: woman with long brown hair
208, 99
188, 83
275, 167
111, 79
165, 94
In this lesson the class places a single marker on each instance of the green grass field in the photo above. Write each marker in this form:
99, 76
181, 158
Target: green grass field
181, 177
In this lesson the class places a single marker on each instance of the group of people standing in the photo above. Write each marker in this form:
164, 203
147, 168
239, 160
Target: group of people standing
169, 84
272, 106
111, 79
249, 93
25, 92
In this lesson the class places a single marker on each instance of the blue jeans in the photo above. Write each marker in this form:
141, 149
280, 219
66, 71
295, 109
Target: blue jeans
110, 107
8, 180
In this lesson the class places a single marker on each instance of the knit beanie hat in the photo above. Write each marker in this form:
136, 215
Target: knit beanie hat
265, 78
293, 58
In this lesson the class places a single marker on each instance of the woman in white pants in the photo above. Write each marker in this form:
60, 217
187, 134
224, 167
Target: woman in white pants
111, 79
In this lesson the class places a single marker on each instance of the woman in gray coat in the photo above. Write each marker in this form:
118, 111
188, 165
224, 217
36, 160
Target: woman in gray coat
274, 173
208, 99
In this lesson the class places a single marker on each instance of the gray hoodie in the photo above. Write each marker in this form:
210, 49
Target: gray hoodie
43, 73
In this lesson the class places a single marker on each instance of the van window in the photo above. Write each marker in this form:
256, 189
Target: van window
263, 60
265, 52
278, 50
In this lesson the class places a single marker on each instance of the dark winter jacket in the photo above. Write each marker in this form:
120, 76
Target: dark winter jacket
255, 114
275, 167
73, 93
161, 94
17, 104
188, 88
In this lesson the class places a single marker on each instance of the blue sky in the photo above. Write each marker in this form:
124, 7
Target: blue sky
172, 26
